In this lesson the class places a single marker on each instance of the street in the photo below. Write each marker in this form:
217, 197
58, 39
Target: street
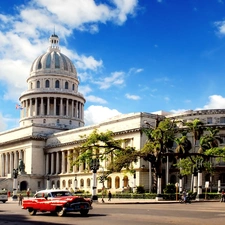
207, 213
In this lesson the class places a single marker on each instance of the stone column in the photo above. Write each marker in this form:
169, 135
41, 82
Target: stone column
57, 162
48, 106
36, 107
47, 164
76, 103
54, 107
63, 162
52, 163
67, 107
72, 109
42, 106
7, 164
61, 106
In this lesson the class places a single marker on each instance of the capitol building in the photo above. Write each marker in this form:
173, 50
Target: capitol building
51, 125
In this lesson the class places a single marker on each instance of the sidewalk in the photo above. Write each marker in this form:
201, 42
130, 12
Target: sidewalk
144, 201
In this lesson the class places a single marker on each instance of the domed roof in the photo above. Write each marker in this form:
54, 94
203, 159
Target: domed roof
53, 61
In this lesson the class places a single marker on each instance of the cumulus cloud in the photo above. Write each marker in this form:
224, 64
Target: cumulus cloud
97, 114
133, 97
92, 98
116, 78
215, 102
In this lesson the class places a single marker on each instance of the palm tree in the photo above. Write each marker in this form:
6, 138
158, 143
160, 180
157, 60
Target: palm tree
196, 128
159, 141
210, 140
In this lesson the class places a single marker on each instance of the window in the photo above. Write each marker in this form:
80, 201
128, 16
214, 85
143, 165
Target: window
38, 84
39, 65
64, 62
57, 84
66, 85
44, 120
222, 119
48, 61
47, 83
73, 87
109, 182
81, 183
209, 120
57, 121
117, 182
57, 64
88, 182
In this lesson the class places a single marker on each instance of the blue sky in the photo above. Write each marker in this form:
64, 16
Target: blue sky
131, 56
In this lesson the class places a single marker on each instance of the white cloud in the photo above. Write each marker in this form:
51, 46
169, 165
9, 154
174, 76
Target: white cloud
133, 97
97, 114
92, 98
215, 102
117, 78
220, 25
3, 124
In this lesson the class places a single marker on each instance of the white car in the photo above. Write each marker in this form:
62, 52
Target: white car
3, 196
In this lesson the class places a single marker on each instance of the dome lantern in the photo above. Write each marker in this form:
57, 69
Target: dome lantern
54, 43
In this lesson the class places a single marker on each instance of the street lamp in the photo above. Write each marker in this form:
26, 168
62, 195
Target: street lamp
199, 165
75, 184
94, 166
15, 174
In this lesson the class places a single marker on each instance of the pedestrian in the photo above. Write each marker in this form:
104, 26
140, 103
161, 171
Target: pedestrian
222, 196
20, 199
109, 196
184, 195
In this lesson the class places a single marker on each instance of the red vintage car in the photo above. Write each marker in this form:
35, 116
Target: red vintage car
57, 201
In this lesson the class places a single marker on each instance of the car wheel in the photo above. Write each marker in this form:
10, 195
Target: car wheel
32, 212
84, 212
60, 211
4, 201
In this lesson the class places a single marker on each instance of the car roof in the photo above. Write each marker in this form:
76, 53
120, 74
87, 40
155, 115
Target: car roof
53, 190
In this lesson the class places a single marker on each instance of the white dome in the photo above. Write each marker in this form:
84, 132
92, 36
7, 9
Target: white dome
53, 61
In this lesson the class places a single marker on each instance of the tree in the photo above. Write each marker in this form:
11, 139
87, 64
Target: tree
159, 142
103, 146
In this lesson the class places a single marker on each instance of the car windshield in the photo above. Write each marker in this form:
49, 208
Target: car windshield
61, 193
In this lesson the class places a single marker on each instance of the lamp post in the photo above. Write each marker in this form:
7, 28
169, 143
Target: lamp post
48, 183
94, 166
15, 174
75, 184
199, 165
177, 186
134, 187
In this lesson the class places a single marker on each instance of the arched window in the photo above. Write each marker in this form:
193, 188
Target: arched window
69, 183
117, 182
88, 182
31, 86
125, 181
38, 84
81, 183
66, 85
73, 87
109, 182
58, 184
47, 83
57, 84
64, 183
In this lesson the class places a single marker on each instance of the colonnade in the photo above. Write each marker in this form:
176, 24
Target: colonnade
52, 106
10, 161
58, 162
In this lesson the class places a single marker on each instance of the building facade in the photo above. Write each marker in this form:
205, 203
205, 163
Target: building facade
52, 121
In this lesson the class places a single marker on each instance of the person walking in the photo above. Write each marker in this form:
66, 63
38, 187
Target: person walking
109, 196
20, 199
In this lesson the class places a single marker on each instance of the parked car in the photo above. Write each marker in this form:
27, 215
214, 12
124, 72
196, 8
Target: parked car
57, 201
3, 196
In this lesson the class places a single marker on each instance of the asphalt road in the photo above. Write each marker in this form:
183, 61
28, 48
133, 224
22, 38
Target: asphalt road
206, 213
